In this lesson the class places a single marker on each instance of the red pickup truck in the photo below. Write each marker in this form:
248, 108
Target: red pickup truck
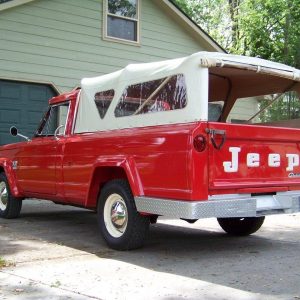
188, 138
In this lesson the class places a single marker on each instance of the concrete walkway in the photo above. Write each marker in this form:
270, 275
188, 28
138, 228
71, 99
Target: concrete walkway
56, 252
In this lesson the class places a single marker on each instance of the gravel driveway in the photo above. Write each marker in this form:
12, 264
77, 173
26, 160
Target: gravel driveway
56, 252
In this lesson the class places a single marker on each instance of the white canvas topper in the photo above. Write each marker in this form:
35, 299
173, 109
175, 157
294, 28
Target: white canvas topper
132, 88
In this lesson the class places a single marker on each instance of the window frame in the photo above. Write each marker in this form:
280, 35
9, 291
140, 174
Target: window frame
45, 118
106, 13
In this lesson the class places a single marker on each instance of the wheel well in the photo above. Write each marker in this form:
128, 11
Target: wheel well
100, 177
1, 170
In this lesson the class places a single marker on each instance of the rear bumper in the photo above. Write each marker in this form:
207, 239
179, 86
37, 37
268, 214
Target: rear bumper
222, 206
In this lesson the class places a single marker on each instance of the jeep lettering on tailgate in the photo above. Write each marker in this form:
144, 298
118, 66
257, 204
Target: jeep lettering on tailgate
253, 160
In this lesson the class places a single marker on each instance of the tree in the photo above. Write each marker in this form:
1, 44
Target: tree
210, 17
270, 29
219, 18
234, 7
266, 28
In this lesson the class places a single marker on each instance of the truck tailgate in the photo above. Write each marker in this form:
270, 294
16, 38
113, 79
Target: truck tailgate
253, 159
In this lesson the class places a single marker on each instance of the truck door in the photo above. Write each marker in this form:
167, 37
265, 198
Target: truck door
35, 164
37, 161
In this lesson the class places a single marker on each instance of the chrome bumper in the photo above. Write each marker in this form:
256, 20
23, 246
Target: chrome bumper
222, 206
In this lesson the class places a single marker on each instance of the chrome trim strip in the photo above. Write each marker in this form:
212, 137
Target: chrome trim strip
75, 112
222, 206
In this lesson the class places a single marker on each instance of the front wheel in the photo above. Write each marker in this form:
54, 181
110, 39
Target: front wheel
10, 207
241, 226
122, 227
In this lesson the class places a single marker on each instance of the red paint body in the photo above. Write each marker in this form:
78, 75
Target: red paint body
157, 161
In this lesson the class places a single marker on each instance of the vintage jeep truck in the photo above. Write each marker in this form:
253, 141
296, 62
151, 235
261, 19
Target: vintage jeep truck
186, 138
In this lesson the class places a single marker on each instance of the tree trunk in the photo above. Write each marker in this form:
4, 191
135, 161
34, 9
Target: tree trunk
286, 33
234, 12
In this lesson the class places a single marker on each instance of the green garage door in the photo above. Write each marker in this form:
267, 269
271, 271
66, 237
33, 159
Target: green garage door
22, 104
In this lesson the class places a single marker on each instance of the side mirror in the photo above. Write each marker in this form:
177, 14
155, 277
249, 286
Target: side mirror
14, 132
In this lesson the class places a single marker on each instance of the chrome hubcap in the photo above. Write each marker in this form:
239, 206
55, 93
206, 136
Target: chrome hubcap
115, 215
118, 215
3, 196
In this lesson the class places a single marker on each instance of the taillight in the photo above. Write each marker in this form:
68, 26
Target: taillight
199, 143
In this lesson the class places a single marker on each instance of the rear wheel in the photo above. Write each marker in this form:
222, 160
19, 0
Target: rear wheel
10, 207
241, 226
122, 227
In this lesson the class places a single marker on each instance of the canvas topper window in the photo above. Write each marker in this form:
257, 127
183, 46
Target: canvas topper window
103, 100
164, 94
122, 17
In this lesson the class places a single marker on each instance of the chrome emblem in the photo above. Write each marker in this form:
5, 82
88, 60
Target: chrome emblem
15, 164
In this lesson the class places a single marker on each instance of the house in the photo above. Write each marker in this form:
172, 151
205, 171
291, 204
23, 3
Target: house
46, 47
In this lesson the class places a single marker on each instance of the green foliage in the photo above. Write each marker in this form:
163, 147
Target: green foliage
209, 15
2, 262
271, 29
266, 28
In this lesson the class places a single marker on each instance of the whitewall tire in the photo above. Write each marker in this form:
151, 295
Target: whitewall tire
122, 227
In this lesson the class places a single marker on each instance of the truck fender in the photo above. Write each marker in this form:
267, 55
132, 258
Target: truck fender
127, 168
6, 165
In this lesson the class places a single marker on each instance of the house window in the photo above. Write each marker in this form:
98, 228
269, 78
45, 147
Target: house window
122, 20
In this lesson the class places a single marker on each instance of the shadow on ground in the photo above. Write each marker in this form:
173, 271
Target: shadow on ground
267, 262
